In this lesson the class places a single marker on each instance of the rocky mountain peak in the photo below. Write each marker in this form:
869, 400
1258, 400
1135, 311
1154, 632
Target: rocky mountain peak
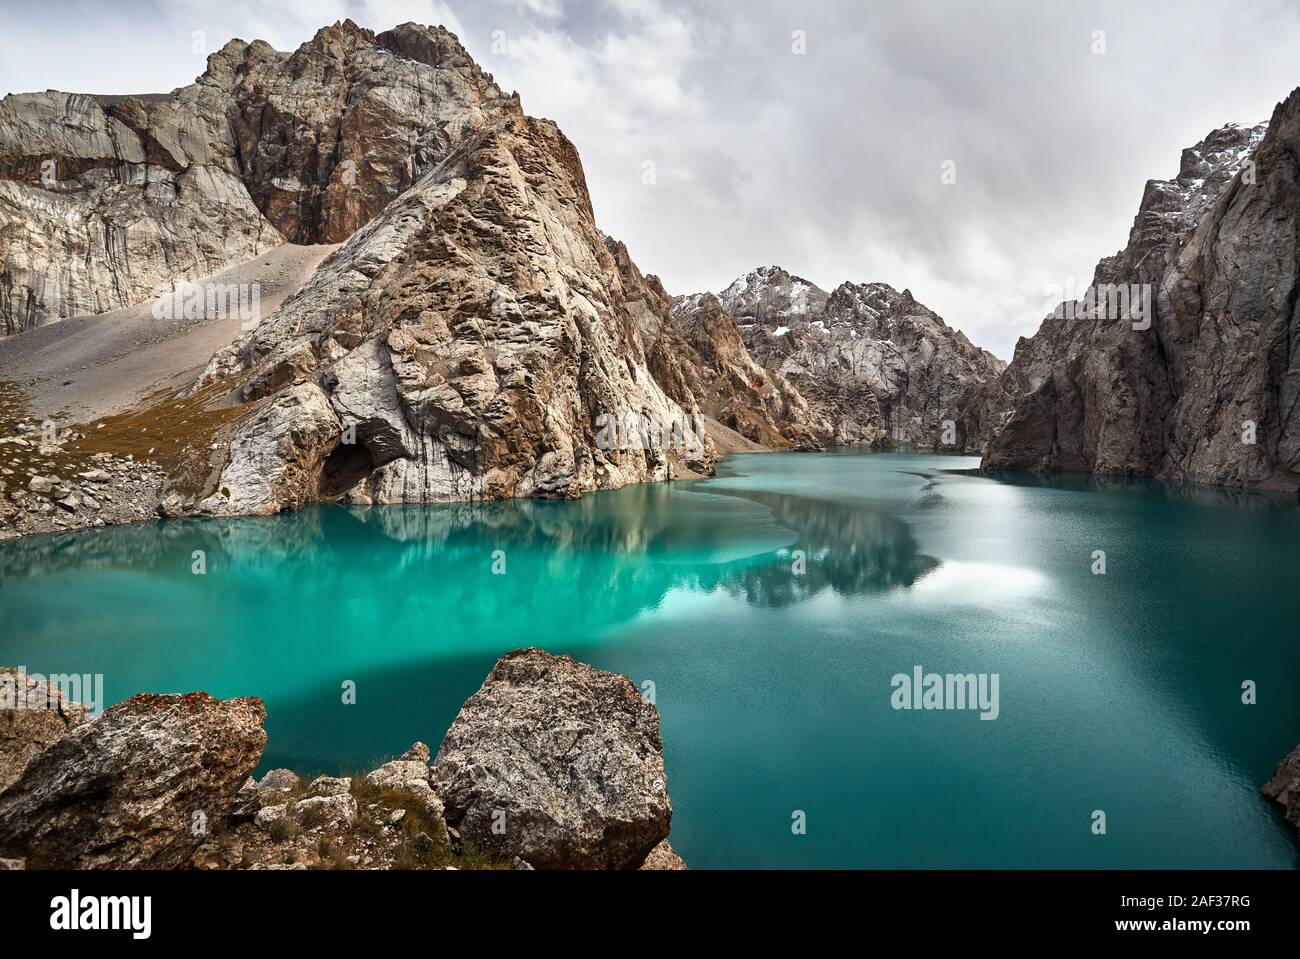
1170, 209
864, 308
104, 198
770, 296
1168, 393
872, 362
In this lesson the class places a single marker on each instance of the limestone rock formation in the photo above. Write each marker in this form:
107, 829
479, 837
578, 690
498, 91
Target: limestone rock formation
104, 198
463, 343
874, 365
469, 339
275, 461
99, 203
127, 790
565, 760
1284, 787
34, 713
1186, 366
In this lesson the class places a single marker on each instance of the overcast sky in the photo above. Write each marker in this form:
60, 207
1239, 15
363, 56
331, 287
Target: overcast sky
828, 162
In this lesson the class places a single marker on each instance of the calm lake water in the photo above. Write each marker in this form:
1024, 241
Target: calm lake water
1120, 693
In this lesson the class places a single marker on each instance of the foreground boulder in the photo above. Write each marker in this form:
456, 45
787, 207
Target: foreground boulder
34, 713
1284, 787
137, 788
557, 763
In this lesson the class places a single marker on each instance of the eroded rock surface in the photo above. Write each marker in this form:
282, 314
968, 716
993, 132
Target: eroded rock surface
103, 198
874, 366
470, 337
163, 782
34, 713
566, 762
127, 790
1204, 386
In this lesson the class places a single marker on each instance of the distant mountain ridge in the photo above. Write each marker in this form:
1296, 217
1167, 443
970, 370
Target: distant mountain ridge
876, 366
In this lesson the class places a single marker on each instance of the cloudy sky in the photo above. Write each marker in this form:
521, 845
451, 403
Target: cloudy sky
812, 134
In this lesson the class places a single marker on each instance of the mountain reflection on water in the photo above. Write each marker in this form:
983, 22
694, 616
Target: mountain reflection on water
597, 543
774, 687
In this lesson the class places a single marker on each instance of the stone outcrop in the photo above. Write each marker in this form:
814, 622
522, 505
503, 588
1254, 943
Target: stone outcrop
136, 788
101, 201
572, 757
557, 763
104, 198
1284, 787
34, 713
275, 461
462, 344
1200, 386
874, 366
470, 338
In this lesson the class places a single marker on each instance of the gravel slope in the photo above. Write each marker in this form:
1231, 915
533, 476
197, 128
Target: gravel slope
86, 367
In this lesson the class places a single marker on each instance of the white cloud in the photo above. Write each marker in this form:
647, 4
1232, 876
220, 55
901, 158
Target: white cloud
826, 163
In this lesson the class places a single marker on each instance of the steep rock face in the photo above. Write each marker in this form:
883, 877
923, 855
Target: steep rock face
469, 338
104, 198
327, 136
1201, 386
94, 214
762, 406
34, 713
879, 367
127, 790
696, 354
564, 760
464, 343
276, 460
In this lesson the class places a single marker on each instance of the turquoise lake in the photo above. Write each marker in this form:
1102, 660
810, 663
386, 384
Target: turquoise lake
1119, 692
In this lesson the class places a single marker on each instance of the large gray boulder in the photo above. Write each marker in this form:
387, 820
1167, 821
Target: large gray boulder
558, 763
140, 787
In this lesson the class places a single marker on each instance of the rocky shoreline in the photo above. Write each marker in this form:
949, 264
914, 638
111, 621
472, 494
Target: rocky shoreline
552, 764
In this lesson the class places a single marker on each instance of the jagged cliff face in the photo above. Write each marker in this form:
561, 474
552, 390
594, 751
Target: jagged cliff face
761, 405
93, 214
1201, 386
471, 338
876, 365
104, 198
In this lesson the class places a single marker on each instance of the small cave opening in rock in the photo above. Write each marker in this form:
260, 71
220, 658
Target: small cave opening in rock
344, 468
